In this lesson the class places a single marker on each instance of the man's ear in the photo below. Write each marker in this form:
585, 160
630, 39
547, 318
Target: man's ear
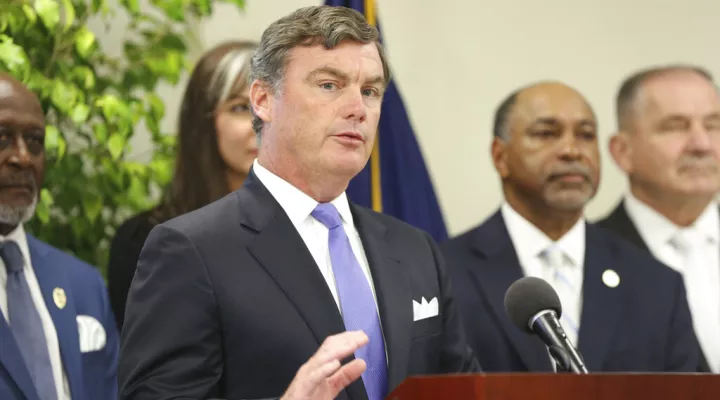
621, 151
498, 152
261, 100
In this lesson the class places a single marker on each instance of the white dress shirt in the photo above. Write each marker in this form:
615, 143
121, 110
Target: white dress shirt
659, 234
298, 206
18, 236
530, 244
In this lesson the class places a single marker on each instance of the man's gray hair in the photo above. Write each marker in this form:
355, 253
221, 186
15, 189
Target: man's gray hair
631, 86
308, 26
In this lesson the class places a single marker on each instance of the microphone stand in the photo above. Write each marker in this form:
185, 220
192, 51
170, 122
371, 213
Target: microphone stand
561, 359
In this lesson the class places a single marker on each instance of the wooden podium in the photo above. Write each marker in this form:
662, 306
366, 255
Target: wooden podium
560, 387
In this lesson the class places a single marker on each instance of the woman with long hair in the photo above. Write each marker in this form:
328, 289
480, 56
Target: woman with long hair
216, 148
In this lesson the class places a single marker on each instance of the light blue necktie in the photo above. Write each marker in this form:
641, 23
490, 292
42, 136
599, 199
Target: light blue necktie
356, 301
25, 323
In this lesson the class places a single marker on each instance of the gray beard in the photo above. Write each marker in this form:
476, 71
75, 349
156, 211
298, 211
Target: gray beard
16, 215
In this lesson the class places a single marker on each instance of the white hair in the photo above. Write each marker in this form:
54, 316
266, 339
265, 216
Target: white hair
233, 65
15, 215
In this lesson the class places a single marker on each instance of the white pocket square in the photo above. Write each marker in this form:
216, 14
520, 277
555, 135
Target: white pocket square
92, 334
425, 309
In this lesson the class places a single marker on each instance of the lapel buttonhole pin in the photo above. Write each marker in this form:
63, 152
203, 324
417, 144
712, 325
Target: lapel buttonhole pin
610, 278
59, 297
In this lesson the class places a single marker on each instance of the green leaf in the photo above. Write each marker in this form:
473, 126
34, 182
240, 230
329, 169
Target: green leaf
174, 42
101, 133
113, 108
162, 169
84, 40
239, 3
132, 5
52, 136
157, 108
97, 5
42, 211
137, 193
116, 145
80, 113
92, 203
204, 7
29, 14
49, 12
84, 76
14, 58
175, 9
63, 96
69, 13
39, 83
54, 142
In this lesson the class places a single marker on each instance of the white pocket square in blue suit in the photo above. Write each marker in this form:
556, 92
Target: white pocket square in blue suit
92, 334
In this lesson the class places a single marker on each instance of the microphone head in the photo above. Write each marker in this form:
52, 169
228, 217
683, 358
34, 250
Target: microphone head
528, 296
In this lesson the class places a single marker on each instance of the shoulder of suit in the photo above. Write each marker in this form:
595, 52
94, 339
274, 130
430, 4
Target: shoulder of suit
393, 224
491, 224
76, 267
214, 214
637, 259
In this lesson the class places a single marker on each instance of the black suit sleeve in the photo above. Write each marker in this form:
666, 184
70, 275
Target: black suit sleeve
171, 342
683, 352
457, 356
124, 254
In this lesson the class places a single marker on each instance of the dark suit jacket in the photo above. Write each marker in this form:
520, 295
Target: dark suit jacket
227, 301
124, 254
91, 375
640, 325
619, 222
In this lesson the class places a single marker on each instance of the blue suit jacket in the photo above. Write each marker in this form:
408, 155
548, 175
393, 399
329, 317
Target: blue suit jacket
91, 375
643, 324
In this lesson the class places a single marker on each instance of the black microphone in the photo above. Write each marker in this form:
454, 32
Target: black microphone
534, 307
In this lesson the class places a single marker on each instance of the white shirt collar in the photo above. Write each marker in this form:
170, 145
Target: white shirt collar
297, 204
656, 228
18, 236
529, 241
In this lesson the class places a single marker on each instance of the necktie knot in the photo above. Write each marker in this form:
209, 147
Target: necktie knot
554, 256
11, 256
328, 215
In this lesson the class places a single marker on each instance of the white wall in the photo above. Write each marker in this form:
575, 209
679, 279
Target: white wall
455, 59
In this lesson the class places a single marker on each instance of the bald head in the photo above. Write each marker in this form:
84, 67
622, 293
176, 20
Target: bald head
536, 97
16, 96
22, 152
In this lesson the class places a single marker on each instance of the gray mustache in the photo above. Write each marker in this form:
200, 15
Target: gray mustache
568, 169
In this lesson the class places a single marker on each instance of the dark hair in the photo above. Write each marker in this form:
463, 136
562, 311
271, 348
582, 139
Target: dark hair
501, 127
199, 177
631, 86
308, 26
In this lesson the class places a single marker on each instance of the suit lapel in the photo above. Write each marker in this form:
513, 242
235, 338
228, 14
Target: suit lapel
601, 303
51, 280
12, 361
499, 268
393, 294
292, 267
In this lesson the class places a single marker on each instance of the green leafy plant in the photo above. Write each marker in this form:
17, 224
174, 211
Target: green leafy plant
94, 102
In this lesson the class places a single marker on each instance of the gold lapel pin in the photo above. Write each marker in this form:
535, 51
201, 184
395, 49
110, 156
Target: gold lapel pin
59, 297
610, 278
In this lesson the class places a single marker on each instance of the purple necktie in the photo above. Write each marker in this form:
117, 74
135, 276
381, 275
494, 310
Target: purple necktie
356, 301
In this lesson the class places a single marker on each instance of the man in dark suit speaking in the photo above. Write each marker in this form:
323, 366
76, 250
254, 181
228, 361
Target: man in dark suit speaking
546, 152
251, 296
